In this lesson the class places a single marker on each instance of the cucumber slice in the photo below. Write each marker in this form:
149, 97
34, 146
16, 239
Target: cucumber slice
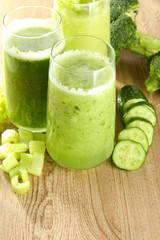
127, 93
128, 155
142, 112
127, 105
145, 125
134, 134
142, 103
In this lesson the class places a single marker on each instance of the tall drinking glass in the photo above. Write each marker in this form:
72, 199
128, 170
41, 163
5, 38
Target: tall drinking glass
87, 17
29, 32
81, 102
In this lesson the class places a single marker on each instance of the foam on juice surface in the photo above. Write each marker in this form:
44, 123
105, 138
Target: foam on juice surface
81, 72
22, 34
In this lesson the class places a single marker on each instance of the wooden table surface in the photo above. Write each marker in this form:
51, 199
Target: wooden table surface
105, 203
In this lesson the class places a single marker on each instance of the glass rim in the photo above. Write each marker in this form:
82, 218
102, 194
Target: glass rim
31, 6
89, 71
86, 4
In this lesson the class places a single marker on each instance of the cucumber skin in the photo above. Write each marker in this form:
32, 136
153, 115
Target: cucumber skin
126, 93
134, 169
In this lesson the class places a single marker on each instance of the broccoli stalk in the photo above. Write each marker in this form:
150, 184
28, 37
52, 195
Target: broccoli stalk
146, 45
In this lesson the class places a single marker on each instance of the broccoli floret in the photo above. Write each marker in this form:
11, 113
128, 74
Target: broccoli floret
123, 26
119, 7
153, 81
123, 34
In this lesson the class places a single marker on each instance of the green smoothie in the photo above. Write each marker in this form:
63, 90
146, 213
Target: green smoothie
90, 18
26, 64
80, 111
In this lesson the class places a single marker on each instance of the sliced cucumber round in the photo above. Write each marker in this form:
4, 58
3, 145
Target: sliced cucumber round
135, 134
127, 105
142, 103
128, 155
145, 125
127, 93
141, 112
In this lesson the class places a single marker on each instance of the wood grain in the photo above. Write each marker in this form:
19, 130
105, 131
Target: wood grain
104, 203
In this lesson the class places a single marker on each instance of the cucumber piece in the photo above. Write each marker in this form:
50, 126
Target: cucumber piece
128, 155
134, 134
127, 93
145, 125
142, 103
142, 112
127, 105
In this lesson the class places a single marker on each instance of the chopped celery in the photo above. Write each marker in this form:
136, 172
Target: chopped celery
40, 136
25, 136
5, 150
20, 171
9, 136
9, 163
26, 160
37, 146
37, 164
19, 147
19, 187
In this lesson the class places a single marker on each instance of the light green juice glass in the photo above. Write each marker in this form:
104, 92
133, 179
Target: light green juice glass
81, 102
88, 17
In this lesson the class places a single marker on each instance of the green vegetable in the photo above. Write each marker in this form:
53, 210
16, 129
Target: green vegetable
19, 180
140, 112
37, 164
124, 35
10, 136
26, 160
139, 118
37, 146
128, 95
9, 163
134, 134
143, 124
128, 155
5, 150
123, 26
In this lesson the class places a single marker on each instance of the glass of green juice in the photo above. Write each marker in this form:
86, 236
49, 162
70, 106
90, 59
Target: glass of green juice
85, 17
81, 102
29, 32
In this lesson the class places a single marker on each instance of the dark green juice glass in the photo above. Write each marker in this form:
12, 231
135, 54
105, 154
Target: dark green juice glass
29, 32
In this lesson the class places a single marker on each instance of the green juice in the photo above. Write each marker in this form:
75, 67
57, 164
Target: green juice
26, 64
92, 18
80, 114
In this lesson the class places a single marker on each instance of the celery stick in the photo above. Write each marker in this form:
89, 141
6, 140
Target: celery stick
37, 146
40, 136
9, 136
9, 163
37, 164
5, 150
19, 187
20, 171
25, 136
19, 147
26, 160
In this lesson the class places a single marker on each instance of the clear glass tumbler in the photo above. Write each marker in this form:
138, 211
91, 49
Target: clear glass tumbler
29, 32
86, 17
81, 102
